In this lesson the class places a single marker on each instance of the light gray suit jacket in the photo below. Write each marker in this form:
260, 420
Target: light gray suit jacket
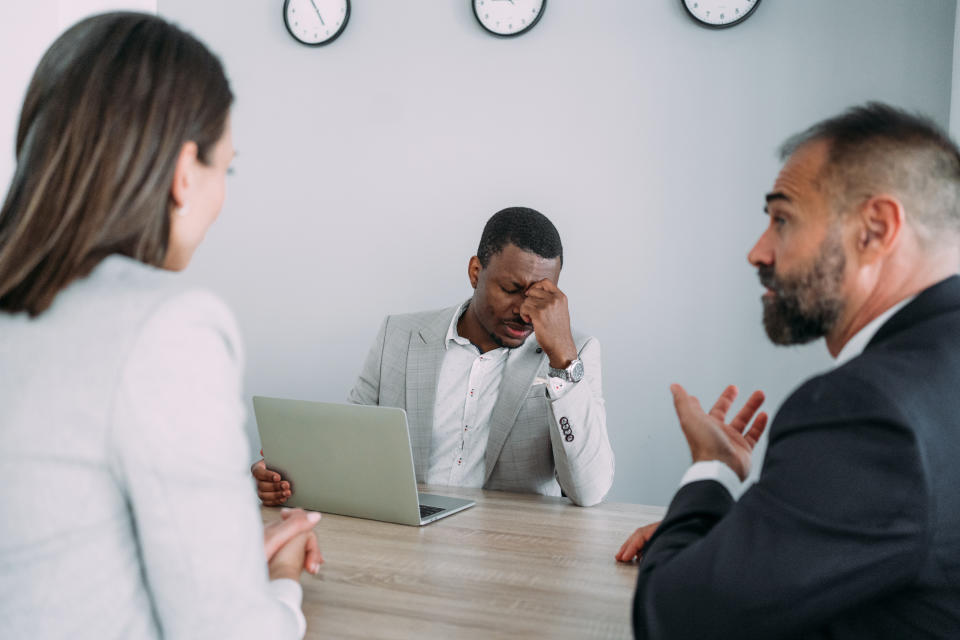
127, 509
529, 447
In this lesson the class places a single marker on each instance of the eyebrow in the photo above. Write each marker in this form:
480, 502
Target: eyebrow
776, 195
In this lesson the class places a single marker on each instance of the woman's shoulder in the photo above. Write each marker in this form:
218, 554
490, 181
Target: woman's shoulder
130, 301
126, 289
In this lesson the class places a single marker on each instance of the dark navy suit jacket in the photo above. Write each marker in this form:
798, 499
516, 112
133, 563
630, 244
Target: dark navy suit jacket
853, 530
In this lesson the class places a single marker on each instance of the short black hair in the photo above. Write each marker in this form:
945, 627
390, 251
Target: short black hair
526, 228
877, 146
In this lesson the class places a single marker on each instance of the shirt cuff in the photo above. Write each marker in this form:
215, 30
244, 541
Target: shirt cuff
714, 470
557, 387
290, 593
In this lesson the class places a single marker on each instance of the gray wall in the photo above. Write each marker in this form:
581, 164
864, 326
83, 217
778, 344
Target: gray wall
367, 169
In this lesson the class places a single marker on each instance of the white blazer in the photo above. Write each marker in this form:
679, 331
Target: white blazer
126, 505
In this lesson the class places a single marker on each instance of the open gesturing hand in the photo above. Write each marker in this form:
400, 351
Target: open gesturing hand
711, 438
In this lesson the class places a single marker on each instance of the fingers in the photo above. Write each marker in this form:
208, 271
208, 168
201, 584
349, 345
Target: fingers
723, 403
630, 548
685, 405
539, 296
528, 307
279, 533
633, 547
312, 558
746, 413
260, 472
272, 498
759, 426
543, 289
271, 487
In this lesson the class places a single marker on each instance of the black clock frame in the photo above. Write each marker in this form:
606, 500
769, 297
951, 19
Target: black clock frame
726, 25
473, 7
343, 27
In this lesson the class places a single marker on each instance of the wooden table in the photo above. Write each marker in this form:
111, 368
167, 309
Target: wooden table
513, 566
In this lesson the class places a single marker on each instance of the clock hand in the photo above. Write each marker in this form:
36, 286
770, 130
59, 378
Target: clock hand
318, 12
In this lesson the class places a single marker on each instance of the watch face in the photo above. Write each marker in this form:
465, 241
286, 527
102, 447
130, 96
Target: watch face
316, 22
576, 371
720, 13
508, 17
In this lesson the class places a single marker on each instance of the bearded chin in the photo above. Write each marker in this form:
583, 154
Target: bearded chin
786, 324
807, 306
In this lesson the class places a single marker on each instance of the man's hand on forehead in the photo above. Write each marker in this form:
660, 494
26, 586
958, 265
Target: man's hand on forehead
545, 307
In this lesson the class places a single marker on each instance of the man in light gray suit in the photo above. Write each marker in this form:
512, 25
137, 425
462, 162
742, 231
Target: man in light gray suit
500, 393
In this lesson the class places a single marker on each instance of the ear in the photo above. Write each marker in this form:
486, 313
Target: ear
183, 174
473, 271
880, 224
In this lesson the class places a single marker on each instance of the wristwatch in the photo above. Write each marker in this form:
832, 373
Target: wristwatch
573, 373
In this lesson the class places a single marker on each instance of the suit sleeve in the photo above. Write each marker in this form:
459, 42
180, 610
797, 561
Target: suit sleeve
837, 518
366, 390
578, 435
179, 452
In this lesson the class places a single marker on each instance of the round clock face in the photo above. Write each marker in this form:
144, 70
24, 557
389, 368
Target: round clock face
508, 17
720, 13
316, 22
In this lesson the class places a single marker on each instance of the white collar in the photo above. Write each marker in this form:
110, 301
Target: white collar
452, 333
862, 338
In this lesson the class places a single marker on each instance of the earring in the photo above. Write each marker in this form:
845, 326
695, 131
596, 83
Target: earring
182, 211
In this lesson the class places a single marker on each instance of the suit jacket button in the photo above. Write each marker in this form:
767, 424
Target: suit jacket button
568, 437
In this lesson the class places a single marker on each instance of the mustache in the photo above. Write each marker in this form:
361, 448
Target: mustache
767, 278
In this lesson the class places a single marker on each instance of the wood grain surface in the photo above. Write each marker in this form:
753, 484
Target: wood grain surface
513, 566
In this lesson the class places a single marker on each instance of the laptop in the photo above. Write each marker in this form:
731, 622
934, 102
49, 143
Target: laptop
348, 459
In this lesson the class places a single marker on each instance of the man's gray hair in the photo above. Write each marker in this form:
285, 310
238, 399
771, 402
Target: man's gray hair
876, 148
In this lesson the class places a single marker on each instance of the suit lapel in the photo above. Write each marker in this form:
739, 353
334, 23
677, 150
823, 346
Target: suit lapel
521, 369
424, 358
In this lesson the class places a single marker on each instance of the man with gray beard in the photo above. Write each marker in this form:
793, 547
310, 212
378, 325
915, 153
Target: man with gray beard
853, 529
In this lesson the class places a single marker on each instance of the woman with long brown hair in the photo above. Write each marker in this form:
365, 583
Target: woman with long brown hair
126, 509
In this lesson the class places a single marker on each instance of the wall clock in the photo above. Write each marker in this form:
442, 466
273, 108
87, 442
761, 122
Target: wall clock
508, 17
316, 22
719, 14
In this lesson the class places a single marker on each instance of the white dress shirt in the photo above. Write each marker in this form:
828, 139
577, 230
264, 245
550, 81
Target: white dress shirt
467, 390
722, 473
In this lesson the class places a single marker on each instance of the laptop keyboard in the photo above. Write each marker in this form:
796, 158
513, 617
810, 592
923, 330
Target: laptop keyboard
426, 511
